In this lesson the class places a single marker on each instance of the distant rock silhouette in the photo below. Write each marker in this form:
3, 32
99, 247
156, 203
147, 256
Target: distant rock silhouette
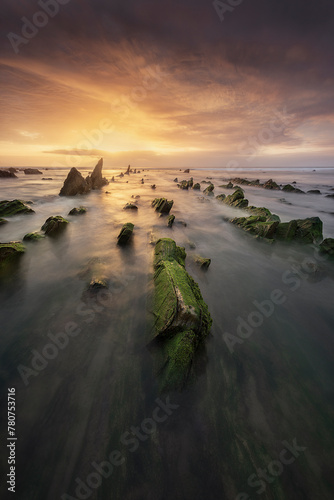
75, 183
32, 171
7, 173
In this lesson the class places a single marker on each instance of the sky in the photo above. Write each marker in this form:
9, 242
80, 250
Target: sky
173, 83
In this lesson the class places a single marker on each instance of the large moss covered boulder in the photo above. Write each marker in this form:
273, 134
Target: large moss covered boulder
209, 190
300, 230
9, 253
35, 236
260, 226
14, 207
181, 317
54, 225
162, 205
291, 189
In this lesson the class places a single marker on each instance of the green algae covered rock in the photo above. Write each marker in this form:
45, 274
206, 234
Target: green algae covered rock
202, 262
162, 205
197, 187
221, 197
3, 221
290, 189
257, 225
209, 190
237, 199
14, 207
78, 211
327, 247
270, 184
181, 317
9, 253
36, 236
170, 220
126, 233
54, 225
300, 230
130, 206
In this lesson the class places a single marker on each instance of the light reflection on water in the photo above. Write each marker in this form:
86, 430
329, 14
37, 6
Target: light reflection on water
277, 385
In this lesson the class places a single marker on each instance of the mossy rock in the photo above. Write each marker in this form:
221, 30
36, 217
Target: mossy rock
130, 206
78, 211
327, 247
126, 233
259, 226
14, 207
237, 199
3, 221
197, 187
9, 254
180, 313
270, 184
162, 205
36, 236
202, 262
170, 220
221, 197
209, 190
227, 186
303, 231
54, 225
291, 189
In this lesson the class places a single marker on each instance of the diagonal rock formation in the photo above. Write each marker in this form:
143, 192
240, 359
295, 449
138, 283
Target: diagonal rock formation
75, 183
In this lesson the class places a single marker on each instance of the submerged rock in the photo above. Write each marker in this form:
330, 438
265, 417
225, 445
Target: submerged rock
291, 189
227, 186
130, 206
153, 186
314, 191
170, 220
54, 225
270, 184
32, 171
209, 190
14, 207
176, 179
3, 221
327, 247
126, 233
36, 236
9, 253
78, 211
162, 205
7, 174
181, 317
202, 262
197, 186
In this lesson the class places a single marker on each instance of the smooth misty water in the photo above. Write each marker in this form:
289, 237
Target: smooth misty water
276, 386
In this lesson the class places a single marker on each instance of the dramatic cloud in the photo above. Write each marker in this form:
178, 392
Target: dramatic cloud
167, 81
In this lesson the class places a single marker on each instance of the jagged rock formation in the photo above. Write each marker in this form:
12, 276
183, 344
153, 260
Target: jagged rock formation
237, 199
162, 205
32, 171
209, 190
7, 174
78, 211
76, 184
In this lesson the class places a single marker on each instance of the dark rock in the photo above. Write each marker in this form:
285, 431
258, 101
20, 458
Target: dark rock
128, 170
95, 180
329, 195
185, 184
78, 211
126, 233
36, 236
270, 184
197, 186
32, 171
227, 186
47, 179
130, 206
221, 197
209, 190
202, 262
300, 230
170, 220
13, 170
181, 317
153, 186
260, 226
291, 189
314, 191
9, 253
327, 247
3, 221
187, 171
237, 199
54, 225
162, 205
142, 181
176, 179
14, 207
74, 184
7, 174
